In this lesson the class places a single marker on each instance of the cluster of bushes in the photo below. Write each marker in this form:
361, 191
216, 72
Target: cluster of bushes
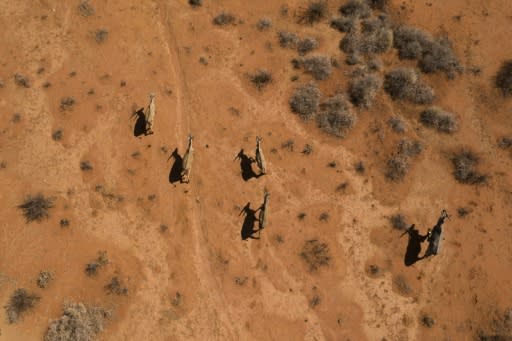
313, 13
465, 163
335, 116
442, 121
405, 84
363, 90
291, 40
317, 66
398, 165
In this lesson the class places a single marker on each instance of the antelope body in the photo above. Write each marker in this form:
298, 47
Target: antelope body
188, 158
260, 159
435, 236
262, 218
150, 114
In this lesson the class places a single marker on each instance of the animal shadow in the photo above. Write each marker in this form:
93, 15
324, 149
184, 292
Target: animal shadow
412, 255
245, 166
248, 230
140, 123
177, 166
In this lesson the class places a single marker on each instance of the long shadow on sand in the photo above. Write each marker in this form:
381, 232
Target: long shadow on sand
412, 255
140, 124
245, 166
177, 166
248, 230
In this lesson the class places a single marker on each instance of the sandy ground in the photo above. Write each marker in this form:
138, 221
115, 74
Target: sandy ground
198, 280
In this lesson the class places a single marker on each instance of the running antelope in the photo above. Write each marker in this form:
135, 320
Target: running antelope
150, 114
434, 236
260, 159
188, 158
262, 218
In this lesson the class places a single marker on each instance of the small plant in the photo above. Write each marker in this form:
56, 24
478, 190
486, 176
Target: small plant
85, 9
305, 100
78, 322
57, 135
315, 12
315, 300
378, 4
363, 90
306, 45
64, 223
85, 165
397, 168
315, 254
398, 222
101, 35
288, 144
404, 84
16, 117
308, 149
503, 79
91, 269
356, 9
359, 167
264, 24
67, 103
463, 211
342, 187
317, 66
223, 19
464, 164
21, 80
261, 79
335, 117
36, 208
427, 321
332, 164
505, 142
397, 125
195, 3
163, 228
410, 147
19, 302
373, 270
288, 39
115, 287
301, 215
401, 285
324, 216
44, 279
439, 119
343, 24
241, 280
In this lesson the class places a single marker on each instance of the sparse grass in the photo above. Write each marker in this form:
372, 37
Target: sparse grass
398, 222
224, 18
324, 216
306, 45
261, 79
264, 24
195, 3
505, 142
308, 149
115, 287
44, 279
397, 168
343, 24
305, 100
35, 208
427, 321
342, 187
85, 9
404, 84
19, 302
336, 117
57, 135
288, 39
317, 66
410, 148
363, 90
313, 13
463, 211
356, 9
397, 125
316, 254
91, 269
67, 103
401, 285
288, 144
442, 121
503, 79
78, 322
359, 167
315, 300
85, 165
22, 80
101, 35
464, 163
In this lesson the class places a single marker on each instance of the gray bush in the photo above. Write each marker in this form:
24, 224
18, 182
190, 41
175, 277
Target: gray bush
335, 116
305, 100
363, 90
439, 119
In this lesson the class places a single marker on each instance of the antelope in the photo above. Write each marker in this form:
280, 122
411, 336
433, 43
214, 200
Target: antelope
150, 114
434, 236
262, 218
188, 158
260, 159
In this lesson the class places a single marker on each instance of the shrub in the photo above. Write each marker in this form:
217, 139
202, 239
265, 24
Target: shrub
505, 142
261, 79
91, 269
288, 144
397, 168
397, 125
301, 215
223, 19
335, 117
316, 11
464, 164
195, 3
359, 167
356, 9
401, 285
78, 322
427, 321
264, 24
363, 90
101, 35
404, 84
115, 287
439, 56
85, 9
36, 208
503, 79
306, 45
308, 149
439, 119
288, 39
410, 147
343, 24
410, 42
57, 135
378, 4
317, 66
85, 165
374, 64
351, 42
44, 279
324, 216
377, 36
305, 100
315, 254
398, 222
19, 302
21, 80
67, 103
